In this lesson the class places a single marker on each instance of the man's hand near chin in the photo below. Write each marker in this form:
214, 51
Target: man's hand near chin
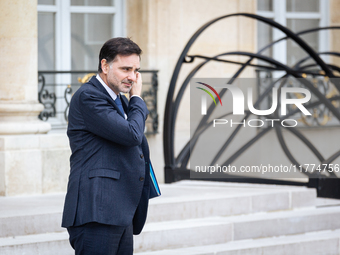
136, 89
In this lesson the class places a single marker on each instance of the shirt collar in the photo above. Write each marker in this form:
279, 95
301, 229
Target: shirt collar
110, 91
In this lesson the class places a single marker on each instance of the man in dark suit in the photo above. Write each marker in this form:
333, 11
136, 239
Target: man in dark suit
108, 190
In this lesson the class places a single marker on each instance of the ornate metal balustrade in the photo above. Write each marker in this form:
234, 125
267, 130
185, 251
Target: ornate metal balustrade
56, 89
321, 115
320, 78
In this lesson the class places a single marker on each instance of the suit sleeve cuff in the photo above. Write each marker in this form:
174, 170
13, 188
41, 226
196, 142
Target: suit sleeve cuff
136, 96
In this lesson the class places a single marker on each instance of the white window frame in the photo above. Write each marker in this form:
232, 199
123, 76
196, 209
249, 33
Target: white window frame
63, 10
280, 15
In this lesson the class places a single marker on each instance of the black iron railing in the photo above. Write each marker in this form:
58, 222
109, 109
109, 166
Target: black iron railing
57, 87
321, 116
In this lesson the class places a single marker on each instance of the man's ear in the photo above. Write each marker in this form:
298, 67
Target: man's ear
105, 66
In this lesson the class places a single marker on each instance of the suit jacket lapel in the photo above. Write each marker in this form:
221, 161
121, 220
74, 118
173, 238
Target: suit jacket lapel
94, 81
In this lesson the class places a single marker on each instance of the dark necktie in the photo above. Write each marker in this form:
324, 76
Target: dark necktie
119, 104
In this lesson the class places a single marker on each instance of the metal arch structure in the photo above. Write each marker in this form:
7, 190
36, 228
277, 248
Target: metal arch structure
176, 167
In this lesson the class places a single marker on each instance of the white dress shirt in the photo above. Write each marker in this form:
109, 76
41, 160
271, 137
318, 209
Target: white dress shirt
110, 91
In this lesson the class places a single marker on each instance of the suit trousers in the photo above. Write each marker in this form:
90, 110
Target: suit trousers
99, 239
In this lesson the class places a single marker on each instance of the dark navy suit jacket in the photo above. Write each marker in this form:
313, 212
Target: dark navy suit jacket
109, 177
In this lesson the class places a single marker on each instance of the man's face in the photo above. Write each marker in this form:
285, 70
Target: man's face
121, 73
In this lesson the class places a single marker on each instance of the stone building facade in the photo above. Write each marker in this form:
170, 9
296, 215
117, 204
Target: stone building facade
35, 160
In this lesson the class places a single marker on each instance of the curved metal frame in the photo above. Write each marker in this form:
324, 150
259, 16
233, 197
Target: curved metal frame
172, 104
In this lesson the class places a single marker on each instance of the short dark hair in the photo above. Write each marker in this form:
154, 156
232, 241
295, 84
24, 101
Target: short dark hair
117, 46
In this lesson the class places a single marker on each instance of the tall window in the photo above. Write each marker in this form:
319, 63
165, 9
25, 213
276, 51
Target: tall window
297, 15
71, 32
70, 35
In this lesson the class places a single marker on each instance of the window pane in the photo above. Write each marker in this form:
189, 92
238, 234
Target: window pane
46, 38
294, 52
264, 5
92, 2
47, 2
302, 5
264, 37
87, 39
46, 58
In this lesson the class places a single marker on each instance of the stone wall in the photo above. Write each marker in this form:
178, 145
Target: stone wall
335, 34
33, 164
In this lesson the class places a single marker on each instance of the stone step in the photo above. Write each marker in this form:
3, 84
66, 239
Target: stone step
228, 231
314, 243
214, 230
39, 244
27, 215
197, 199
